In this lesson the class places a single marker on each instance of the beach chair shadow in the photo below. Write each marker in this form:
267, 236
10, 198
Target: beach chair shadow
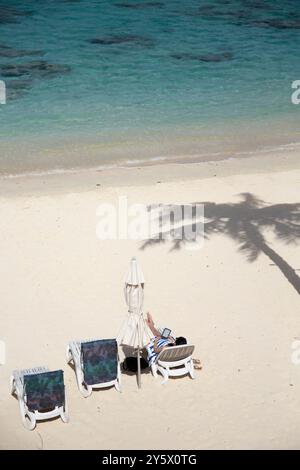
130, 351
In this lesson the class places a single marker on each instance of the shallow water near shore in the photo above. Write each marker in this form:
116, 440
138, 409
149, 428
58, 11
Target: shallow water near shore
124, 82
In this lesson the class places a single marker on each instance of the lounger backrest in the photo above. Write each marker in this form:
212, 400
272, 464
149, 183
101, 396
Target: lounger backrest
176, 353
100, 361
44, 391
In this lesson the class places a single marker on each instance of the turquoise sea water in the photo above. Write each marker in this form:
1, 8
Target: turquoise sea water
148, 72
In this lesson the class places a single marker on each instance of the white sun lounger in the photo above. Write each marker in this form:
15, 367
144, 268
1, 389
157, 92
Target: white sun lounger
174, 361
29, 418
74, 356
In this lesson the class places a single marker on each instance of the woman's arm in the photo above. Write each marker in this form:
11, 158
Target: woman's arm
150, 323
156, 348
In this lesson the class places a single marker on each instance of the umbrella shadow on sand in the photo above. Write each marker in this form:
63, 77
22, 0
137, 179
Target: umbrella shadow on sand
244, 222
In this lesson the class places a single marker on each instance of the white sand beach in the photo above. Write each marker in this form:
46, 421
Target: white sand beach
60, 282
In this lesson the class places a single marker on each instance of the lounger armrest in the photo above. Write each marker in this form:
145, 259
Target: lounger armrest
176, 353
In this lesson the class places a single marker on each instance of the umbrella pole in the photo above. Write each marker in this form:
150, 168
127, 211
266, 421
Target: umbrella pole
139, 368
139, 358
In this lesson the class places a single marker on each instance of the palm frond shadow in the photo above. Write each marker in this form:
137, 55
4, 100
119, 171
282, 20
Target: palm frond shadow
245, 222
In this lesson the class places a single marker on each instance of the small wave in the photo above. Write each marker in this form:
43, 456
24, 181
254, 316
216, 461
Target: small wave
208, 158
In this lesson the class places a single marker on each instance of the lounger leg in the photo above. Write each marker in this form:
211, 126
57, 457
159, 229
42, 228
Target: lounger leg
29, 422
118, 385
64, 414
154, 370
69, 355
85, 392
165, 373
12, 385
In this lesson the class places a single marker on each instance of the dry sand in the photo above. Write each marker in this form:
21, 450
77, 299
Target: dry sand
59, 282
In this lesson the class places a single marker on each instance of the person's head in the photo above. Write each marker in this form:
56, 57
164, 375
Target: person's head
180, 340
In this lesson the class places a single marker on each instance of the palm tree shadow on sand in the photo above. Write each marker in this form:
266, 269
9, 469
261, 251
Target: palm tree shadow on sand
245, 222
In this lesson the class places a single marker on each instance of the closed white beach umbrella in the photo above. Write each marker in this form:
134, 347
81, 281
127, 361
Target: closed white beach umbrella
135, 331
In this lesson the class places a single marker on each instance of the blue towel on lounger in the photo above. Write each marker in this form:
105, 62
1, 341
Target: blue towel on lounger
100, 361
44, 391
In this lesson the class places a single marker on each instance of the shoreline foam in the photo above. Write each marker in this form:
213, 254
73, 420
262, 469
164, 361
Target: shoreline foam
75, 181
43, 155
158, 161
